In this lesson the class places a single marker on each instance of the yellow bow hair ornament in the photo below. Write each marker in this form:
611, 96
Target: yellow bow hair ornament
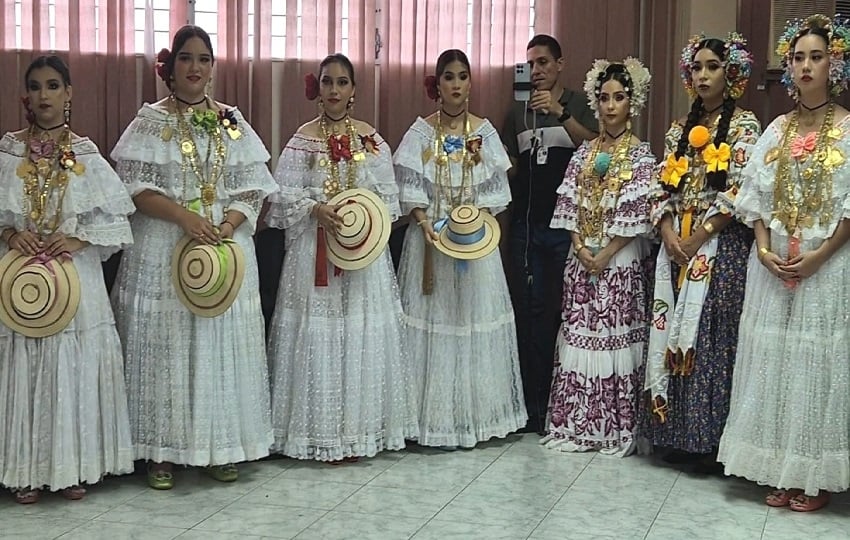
717, 158
674, 170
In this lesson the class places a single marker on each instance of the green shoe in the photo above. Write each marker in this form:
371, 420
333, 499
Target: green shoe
224, 473
160, 479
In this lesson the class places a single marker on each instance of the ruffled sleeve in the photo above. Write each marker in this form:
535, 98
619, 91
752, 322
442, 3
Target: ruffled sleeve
494, 193
414, 189
95, 207
566, 209
247, 180
744, 133
660, 200
377, 174
299, 180
755, 195
631, 215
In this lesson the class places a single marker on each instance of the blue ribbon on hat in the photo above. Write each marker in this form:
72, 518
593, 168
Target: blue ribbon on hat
462, 239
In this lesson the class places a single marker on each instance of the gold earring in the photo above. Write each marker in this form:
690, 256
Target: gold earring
67, 111
629, 125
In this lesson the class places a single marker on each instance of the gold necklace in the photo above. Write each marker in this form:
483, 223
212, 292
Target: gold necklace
815, 180
206, 177
445, 191
592, 184
337, 151
46, 176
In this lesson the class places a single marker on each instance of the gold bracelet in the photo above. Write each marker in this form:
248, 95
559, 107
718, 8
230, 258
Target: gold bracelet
709, 228
763, 251
578, 247
421, 221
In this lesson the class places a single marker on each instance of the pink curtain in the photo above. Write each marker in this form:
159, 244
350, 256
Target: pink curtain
104, 73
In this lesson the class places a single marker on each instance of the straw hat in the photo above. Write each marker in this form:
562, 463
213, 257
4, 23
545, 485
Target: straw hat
468, 233
207, 278
365, 229
39, 296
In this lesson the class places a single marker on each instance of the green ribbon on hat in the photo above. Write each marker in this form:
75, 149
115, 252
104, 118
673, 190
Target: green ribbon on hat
222, 251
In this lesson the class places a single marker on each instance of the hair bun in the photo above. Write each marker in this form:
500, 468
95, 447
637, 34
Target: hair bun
431, 87
311, 86
162, 59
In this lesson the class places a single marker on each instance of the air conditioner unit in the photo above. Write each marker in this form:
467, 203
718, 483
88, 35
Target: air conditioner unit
782, 11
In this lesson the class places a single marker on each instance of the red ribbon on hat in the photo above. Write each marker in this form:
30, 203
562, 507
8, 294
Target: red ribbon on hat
321, 278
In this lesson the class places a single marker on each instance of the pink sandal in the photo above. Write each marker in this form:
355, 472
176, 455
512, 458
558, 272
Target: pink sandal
74, 493
26, 496
781, 497
805, 503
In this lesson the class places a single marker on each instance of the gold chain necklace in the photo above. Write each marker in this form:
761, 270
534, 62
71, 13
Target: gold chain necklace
46, 177
445, 192
815, 178
332, 185
591, 186
206, 177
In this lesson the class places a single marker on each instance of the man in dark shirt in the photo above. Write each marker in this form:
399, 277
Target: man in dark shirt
541, 137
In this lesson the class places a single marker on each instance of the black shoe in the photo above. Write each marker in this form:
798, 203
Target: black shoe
680, 457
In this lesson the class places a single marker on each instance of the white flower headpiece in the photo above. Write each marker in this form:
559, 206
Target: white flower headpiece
638, 87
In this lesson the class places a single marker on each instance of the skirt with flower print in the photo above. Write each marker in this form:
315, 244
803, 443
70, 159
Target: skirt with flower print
599, 352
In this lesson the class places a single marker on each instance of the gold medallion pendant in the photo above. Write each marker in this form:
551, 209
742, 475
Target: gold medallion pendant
167, 133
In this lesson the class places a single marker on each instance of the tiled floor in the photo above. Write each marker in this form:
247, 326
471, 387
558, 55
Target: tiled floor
511, 489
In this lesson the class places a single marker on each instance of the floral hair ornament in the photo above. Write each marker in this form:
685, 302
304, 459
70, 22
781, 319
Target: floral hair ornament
431, 87
638, 86
27, 104
738, 64
161, 59
311, 86
839, 51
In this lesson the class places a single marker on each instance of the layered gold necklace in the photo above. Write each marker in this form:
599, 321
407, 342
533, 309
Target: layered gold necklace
452, 148
340, 147
44, 172
601, 172
208, 172
814, 168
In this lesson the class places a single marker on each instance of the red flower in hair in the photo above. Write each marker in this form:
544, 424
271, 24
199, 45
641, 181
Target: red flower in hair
30, 116
431, 87
161, 59
311, 86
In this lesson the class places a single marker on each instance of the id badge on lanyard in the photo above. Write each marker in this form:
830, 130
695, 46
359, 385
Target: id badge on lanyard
541, 150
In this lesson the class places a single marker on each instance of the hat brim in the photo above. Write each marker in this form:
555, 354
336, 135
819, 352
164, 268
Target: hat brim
379, 233
220, 301
60, 312
477, 250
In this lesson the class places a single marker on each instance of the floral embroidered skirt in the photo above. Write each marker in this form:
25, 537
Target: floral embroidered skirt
599, 352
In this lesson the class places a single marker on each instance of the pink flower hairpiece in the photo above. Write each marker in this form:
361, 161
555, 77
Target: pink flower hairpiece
161, 59
311, 86
431, 87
